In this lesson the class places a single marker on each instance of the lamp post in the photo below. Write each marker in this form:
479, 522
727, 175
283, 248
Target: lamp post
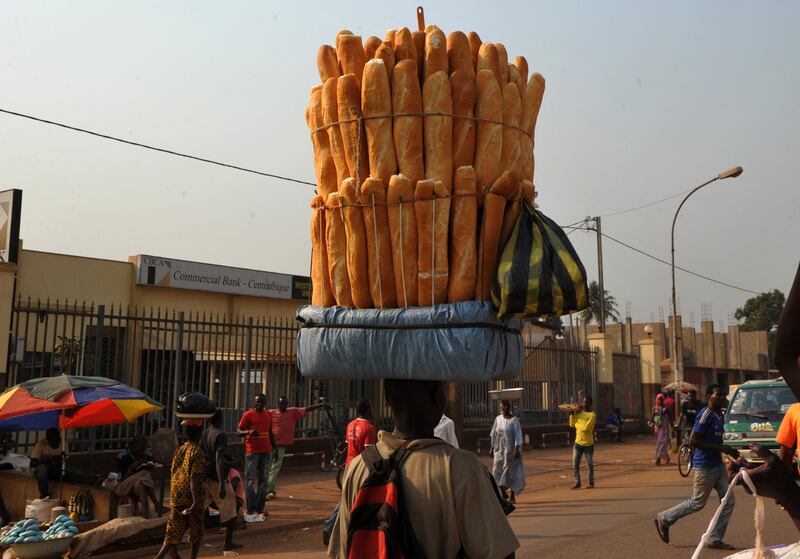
677, 366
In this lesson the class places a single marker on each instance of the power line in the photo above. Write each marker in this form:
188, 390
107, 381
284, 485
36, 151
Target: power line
656, 258
154, 148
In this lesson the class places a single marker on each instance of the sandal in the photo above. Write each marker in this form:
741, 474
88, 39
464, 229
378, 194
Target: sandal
662, 529
719, 544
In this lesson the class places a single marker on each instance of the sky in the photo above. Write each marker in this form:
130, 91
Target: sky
644, 100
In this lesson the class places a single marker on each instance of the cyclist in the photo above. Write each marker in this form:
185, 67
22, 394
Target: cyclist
689, 409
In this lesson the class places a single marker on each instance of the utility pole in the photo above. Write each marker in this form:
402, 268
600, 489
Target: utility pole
599, 230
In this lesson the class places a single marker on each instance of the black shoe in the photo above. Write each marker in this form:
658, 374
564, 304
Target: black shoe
591, 486
326, 538
576, 486
719, 544
232, 546
662, 529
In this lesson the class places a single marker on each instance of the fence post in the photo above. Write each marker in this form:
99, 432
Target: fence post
178, 366
248, 361
98, 339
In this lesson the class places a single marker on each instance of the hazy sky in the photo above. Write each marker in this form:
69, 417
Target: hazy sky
644, 100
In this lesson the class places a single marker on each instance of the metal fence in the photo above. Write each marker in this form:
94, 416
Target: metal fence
628, 385
164, 353
554, 373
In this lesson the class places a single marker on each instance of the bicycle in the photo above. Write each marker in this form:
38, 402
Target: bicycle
685, 456
338, 446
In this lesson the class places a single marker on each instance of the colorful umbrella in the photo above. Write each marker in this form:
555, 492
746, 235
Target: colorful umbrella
70, 402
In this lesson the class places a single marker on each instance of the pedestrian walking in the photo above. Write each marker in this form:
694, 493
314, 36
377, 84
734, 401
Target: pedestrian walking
284, 424
506, 439
661, 427
256, 426
186, 493
220, 490
446, 430
709, 471
360, 434
448, 496
583, 420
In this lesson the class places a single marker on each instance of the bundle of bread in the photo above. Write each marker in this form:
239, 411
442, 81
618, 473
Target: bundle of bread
423, 153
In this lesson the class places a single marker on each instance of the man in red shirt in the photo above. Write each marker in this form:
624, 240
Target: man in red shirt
284, 423
256, 425
360, 434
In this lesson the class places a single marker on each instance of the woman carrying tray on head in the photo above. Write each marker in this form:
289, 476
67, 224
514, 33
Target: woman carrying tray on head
506, 436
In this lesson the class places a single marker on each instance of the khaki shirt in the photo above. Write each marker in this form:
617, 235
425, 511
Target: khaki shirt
449, 499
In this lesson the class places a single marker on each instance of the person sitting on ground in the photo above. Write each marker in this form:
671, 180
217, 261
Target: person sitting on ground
449, 498
614, 424
506, 452
284, 423
708, 469
360, 434
134, 466
583, 420
220, 491
446, 430
186, 493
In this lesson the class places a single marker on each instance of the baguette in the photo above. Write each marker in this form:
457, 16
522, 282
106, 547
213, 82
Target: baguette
379, 245
435, 53
438, 130
419, 44
531, 104
321, 294
474, 48
390, 35
407, 130
351, 55
336, 242
502, 55
462, 87
491, 228
330, 115
376, 101
463, 236
513, 209
404, 48
324, 167
371, 46
432, 211
521, 64
458, 54
327, 64
385, 52
356, 246
348, 96
489, 139
489, 59
515, 77
528, 191
512, 111
403, 229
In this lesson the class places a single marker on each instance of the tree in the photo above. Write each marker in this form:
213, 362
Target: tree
66, 353
762, 312
592, 312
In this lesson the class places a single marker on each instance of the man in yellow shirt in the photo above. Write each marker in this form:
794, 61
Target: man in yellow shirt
583, 421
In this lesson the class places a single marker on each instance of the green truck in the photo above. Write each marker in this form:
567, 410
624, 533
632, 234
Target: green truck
755, 413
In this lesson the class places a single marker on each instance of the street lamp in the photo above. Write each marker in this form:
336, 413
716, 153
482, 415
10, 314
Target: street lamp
677, 367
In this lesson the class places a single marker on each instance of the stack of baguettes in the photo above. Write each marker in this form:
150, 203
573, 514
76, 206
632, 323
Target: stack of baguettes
423, 151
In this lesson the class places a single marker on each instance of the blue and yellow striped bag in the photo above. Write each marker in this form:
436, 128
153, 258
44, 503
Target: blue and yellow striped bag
539, 273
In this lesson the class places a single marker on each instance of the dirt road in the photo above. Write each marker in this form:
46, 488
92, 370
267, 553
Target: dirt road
614, 520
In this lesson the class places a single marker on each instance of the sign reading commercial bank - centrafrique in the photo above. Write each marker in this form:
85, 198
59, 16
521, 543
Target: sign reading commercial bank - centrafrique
183, 274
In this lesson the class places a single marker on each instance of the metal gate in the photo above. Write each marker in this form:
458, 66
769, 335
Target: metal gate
628, 385
164, 353
554, 373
